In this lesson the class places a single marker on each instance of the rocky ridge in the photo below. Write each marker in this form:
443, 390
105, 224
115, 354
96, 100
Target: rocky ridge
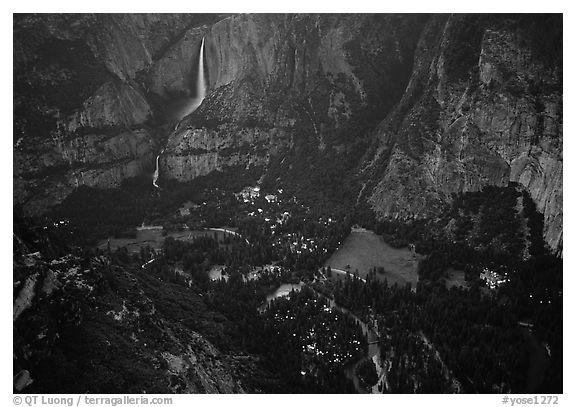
79, 322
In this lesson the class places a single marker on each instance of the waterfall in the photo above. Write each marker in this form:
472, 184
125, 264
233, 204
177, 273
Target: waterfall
193, 102
200, 82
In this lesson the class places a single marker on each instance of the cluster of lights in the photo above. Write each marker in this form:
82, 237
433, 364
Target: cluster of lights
493, 280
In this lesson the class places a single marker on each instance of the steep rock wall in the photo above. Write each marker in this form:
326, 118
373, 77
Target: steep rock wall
483, 107
241, 45
115, 104
44, 179
129, 43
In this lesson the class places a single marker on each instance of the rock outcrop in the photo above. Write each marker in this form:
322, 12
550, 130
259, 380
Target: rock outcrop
44, 178
130, 43
114, 105
118, 314
195, 152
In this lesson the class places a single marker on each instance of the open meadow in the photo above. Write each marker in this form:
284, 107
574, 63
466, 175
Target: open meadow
363, 250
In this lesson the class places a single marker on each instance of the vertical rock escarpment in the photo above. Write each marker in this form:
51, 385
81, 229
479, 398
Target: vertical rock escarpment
131, 43
288, 86
483, 107
243, 45
99, 145
115, 104
43, 178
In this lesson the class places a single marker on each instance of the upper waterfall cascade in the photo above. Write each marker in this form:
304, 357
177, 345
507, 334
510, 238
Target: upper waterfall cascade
195, 101
201, 80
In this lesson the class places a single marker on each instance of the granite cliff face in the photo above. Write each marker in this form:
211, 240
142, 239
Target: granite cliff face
483, 107
114, 105
284, 88
45, 177
101, 144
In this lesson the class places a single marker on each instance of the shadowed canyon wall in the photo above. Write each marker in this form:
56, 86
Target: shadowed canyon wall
411, 108
483, 107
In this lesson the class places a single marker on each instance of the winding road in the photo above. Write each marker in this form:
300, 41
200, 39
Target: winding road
230, 232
